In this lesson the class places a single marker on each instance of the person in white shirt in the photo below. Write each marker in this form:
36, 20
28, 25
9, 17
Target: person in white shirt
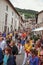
2, 42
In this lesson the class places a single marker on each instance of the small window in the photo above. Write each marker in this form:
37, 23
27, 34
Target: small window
6, 16
12, 13
11, 28
8, 29
12, 21
5, 28
6, 8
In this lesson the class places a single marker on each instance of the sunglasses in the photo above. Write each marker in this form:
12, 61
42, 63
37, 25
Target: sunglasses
41, 55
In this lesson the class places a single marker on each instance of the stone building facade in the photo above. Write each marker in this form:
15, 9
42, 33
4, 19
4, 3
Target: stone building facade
9, 17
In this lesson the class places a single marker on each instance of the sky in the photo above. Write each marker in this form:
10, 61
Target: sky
28, 4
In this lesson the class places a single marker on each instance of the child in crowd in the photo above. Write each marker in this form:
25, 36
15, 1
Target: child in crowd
8, 58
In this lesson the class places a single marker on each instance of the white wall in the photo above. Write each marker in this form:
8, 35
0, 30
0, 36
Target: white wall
3, 11
1, 15
40, 18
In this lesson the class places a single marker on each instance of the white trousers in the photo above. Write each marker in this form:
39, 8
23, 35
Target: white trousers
25, 58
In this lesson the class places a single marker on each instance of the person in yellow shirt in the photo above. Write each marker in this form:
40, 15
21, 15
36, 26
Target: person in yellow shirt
27, 48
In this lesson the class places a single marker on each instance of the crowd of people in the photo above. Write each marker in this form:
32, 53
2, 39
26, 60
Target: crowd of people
15, 43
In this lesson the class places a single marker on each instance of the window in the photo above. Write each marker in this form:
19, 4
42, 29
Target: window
12, 25
16, 24
12, 13
5, 28
12, 21
6, 8
11, 28
8, 29
6, 16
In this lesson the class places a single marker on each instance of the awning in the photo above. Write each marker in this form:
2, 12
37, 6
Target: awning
38, 29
